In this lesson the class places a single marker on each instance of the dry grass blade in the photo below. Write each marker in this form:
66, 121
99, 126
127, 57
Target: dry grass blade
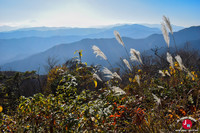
167, 22
98, 52
127, 64
165, 34
118, 37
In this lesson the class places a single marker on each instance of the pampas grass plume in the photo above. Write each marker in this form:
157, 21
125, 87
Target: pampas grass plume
96, 77
135, 55
98, 52
165, 34
127, 64
118, 37
162, 73
170, 60
158, 101
168, 24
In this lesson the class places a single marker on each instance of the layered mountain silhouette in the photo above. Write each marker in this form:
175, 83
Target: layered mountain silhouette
112, 49
53, 31
19, 44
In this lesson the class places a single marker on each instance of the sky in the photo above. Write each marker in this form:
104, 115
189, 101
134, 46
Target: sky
91, 13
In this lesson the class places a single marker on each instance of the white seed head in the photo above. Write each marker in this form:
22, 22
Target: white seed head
117, 91
98, 52
158, 101
166, 72
135, 55
170, 60
127, 64
96, 77
165, 34
167, 22
107, 71
118, 37
116, 75
180, 63
109, 74
162, 73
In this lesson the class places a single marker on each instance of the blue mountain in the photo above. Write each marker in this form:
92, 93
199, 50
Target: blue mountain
112, 49
21, 43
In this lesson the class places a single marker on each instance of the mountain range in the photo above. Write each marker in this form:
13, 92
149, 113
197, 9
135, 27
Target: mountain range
19, 44
112, 49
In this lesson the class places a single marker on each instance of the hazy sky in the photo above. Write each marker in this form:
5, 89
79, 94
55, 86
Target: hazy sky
87, 13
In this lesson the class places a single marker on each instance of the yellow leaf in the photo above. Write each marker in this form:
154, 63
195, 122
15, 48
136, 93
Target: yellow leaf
95, 83
130, 79
75, 51
1, 109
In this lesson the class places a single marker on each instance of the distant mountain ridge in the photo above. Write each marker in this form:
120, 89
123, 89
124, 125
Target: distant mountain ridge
110, 47
29, 41
174, 27
62, 31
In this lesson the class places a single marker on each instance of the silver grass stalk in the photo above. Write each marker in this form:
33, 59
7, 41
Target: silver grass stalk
116, 75
158, 101
127, 64
167, 22
134, 58
118, 37
165, 34
162, 73
96, 77
117, 91
137, 77
135, 55
180, 63
179, 60
98, 52
107, 71
170, 60
109, 74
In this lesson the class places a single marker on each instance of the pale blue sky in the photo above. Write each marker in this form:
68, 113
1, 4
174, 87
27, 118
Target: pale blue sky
87, 13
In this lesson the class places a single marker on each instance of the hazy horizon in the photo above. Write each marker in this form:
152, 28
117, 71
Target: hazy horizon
96, 13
